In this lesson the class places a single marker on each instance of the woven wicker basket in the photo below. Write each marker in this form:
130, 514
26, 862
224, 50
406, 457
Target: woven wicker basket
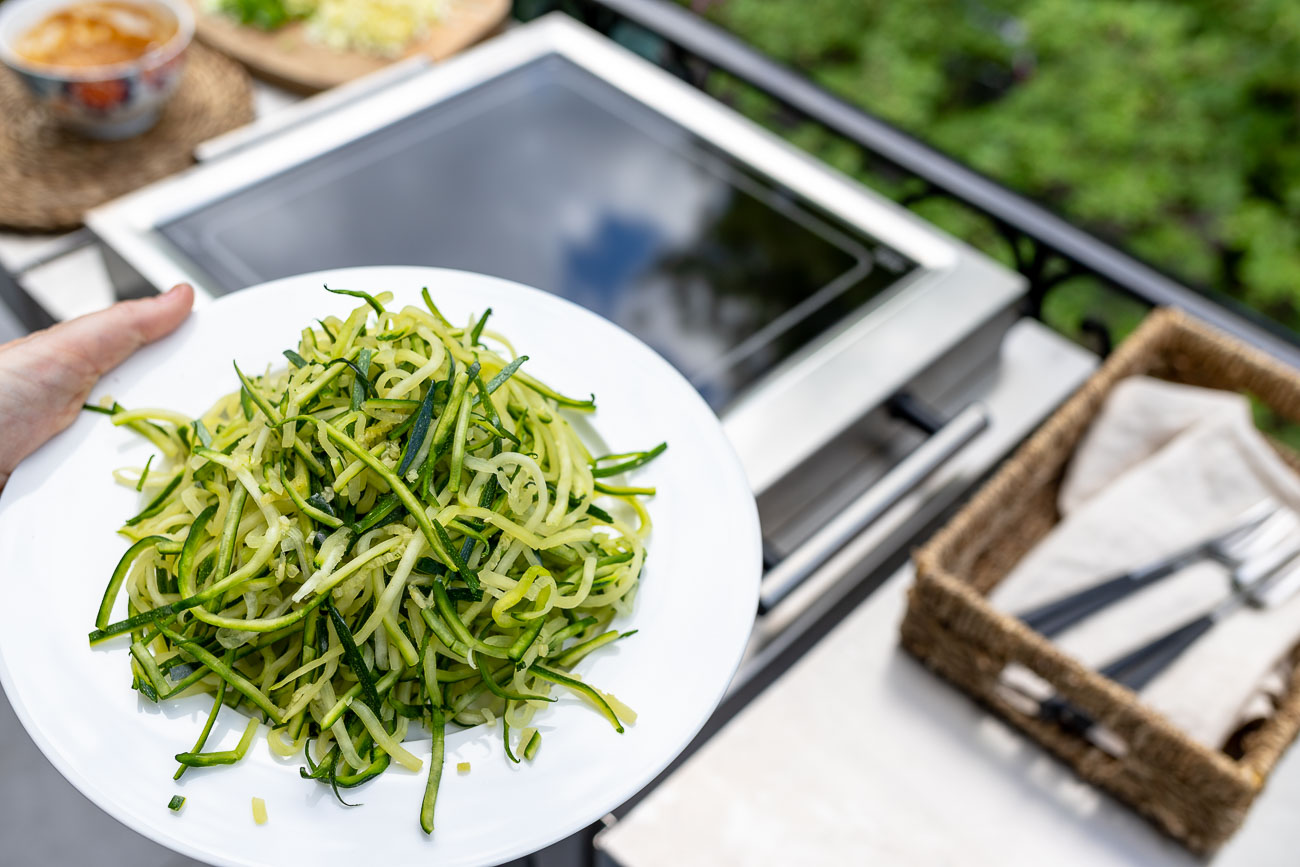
1198, 795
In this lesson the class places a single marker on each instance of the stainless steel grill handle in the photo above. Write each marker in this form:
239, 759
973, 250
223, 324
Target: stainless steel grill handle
900, 481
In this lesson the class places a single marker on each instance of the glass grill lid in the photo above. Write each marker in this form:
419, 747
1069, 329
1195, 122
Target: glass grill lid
552, 177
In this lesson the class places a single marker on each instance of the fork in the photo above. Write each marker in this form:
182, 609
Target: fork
1256, 530
1266, 580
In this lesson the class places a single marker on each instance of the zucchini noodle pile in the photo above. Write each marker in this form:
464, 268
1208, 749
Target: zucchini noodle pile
399, 529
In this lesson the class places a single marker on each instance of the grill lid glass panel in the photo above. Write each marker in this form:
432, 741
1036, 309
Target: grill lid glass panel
552, 177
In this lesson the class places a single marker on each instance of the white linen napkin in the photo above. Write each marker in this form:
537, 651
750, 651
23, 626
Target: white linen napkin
1162, 467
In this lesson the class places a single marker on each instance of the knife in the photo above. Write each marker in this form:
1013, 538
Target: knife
1264, 583
1053, 618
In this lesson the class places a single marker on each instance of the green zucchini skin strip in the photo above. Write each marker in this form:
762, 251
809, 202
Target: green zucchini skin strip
159, 502
144, 474
433, 308
360, 377
447, 609
489, 680
148, 430
588, 405
149, 666
224, 757
576, 628
437, 726
640, 460
440, 628
226, 548
468, 575
145, 689
306, 508
505, 734
256, 396
166, 613
530, 751
458, 437
273, 417
187, 565
526, 640
581, 688
477, 331
308, 655
353, 657
419, 431
236, 680
505, 373
601, 515
429, 675
207, 729
574, 654
365, 296
389, 403
382, 686
119, 576
446, 422
410, 711
617, 491
386, 506
374, 769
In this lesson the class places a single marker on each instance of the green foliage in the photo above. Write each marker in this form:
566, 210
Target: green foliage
1076, 302
1168, 126
262, 14
1276, 425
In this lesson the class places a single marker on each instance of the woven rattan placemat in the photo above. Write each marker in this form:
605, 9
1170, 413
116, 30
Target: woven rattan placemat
50, 177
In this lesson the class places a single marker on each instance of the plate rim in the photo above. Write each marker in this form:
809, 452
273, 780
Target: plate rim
120, 810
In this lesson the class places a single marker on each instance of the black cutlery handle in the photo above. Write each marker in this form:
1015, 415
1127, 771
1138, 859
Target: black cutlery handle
1066, 715
1135, 669
1055, 617
1139, 667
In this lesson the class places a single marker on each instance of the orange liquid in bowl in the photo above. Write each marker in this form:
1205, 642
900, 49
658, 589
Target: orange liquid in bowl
97, 33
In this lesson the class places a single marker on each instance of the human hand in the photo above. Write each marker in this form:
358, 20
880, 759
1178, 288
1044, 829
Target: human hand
46, 377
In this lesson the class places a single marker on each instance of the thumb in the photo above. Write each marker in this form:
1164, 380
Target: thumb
105, 339
46, 376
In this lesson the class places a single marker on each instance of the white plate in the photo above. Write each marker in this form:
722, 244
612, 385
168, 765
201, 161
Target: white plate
58, 521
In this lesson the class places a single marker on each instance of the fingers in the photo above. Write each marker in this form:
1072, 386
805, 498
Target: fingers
46, 376
105, 339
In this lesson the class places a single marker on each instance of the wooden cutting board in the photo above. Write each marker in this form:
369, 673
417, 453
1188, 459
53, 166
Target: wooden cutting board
286, 57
